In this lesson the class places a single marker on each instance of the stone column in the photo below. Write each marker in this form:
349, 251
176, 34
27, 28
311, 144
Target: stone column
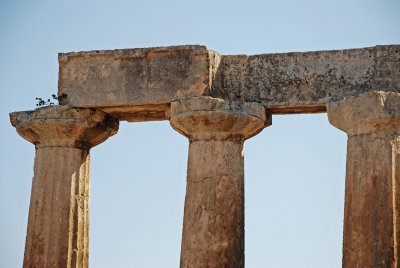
58, 224
213, 224
371, 217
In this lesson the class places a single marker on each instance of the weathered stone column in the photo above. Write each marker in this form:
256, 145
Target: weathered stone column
213, 224
371, 217
58, 224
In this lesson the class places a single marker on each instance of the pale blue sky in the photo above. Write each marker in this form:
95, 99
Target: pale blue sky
294, 170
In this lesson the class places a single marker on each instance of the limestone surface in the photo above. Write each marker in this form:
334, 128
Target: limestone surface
306, 81
139, 84
205, 118
213, 224
58, 224
136, 84
371, 218
63, 126
217, 102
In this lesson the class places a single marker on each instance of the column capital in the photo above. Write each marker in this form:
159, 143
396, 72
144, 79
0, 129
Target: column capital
370, 112
64, 126
205, 118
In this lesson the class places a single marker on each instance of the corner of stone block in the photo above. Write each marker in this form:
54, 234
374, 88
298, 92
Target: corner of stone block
17, 118
214, 61
62, 57
198, 49
13, 118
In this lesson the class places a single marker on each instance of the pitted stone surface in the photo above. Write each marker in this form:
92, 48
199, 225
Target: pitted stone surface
371, 229
213, 225
123, 81
217, 102
64, 126
210, 118
304, 82
139, 84
58, 224
367, 113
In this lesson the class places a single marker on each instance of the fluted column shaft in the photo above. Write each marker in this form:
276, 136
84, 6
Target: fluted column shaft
58, 224
371, 217
213, 224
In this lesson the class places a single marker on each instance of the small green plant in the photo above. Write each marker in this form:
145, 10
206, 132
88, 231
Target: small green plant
41, 102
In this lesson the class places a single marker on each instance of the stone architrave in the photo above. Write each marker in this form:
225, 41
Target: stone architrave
372, 194
213, 225
58, 224
139, 84
217, 101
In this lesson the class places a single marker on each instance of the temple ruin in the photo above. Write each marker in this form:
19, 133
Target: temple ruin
217, 102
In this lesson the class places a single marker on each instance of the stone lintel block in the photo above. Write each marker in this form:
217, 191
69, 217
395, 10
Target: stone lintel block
63, 126
139, 84
367, 113
136, 84
304, 82
206, 118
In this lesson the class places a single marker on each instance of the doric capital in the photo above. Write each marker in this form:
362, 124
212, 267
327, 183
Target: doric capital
205, 118
63, 126
367, 113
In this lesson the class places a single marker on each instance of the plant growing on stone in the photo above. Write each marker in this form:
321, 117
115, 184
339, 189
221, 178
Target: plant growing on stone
41, 102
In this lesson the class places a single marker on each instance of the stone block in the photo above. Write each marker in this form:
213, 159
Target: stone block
140, 84
132, 83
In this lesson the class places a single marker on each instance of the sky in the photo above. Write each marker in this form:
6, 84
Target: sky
294, 169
